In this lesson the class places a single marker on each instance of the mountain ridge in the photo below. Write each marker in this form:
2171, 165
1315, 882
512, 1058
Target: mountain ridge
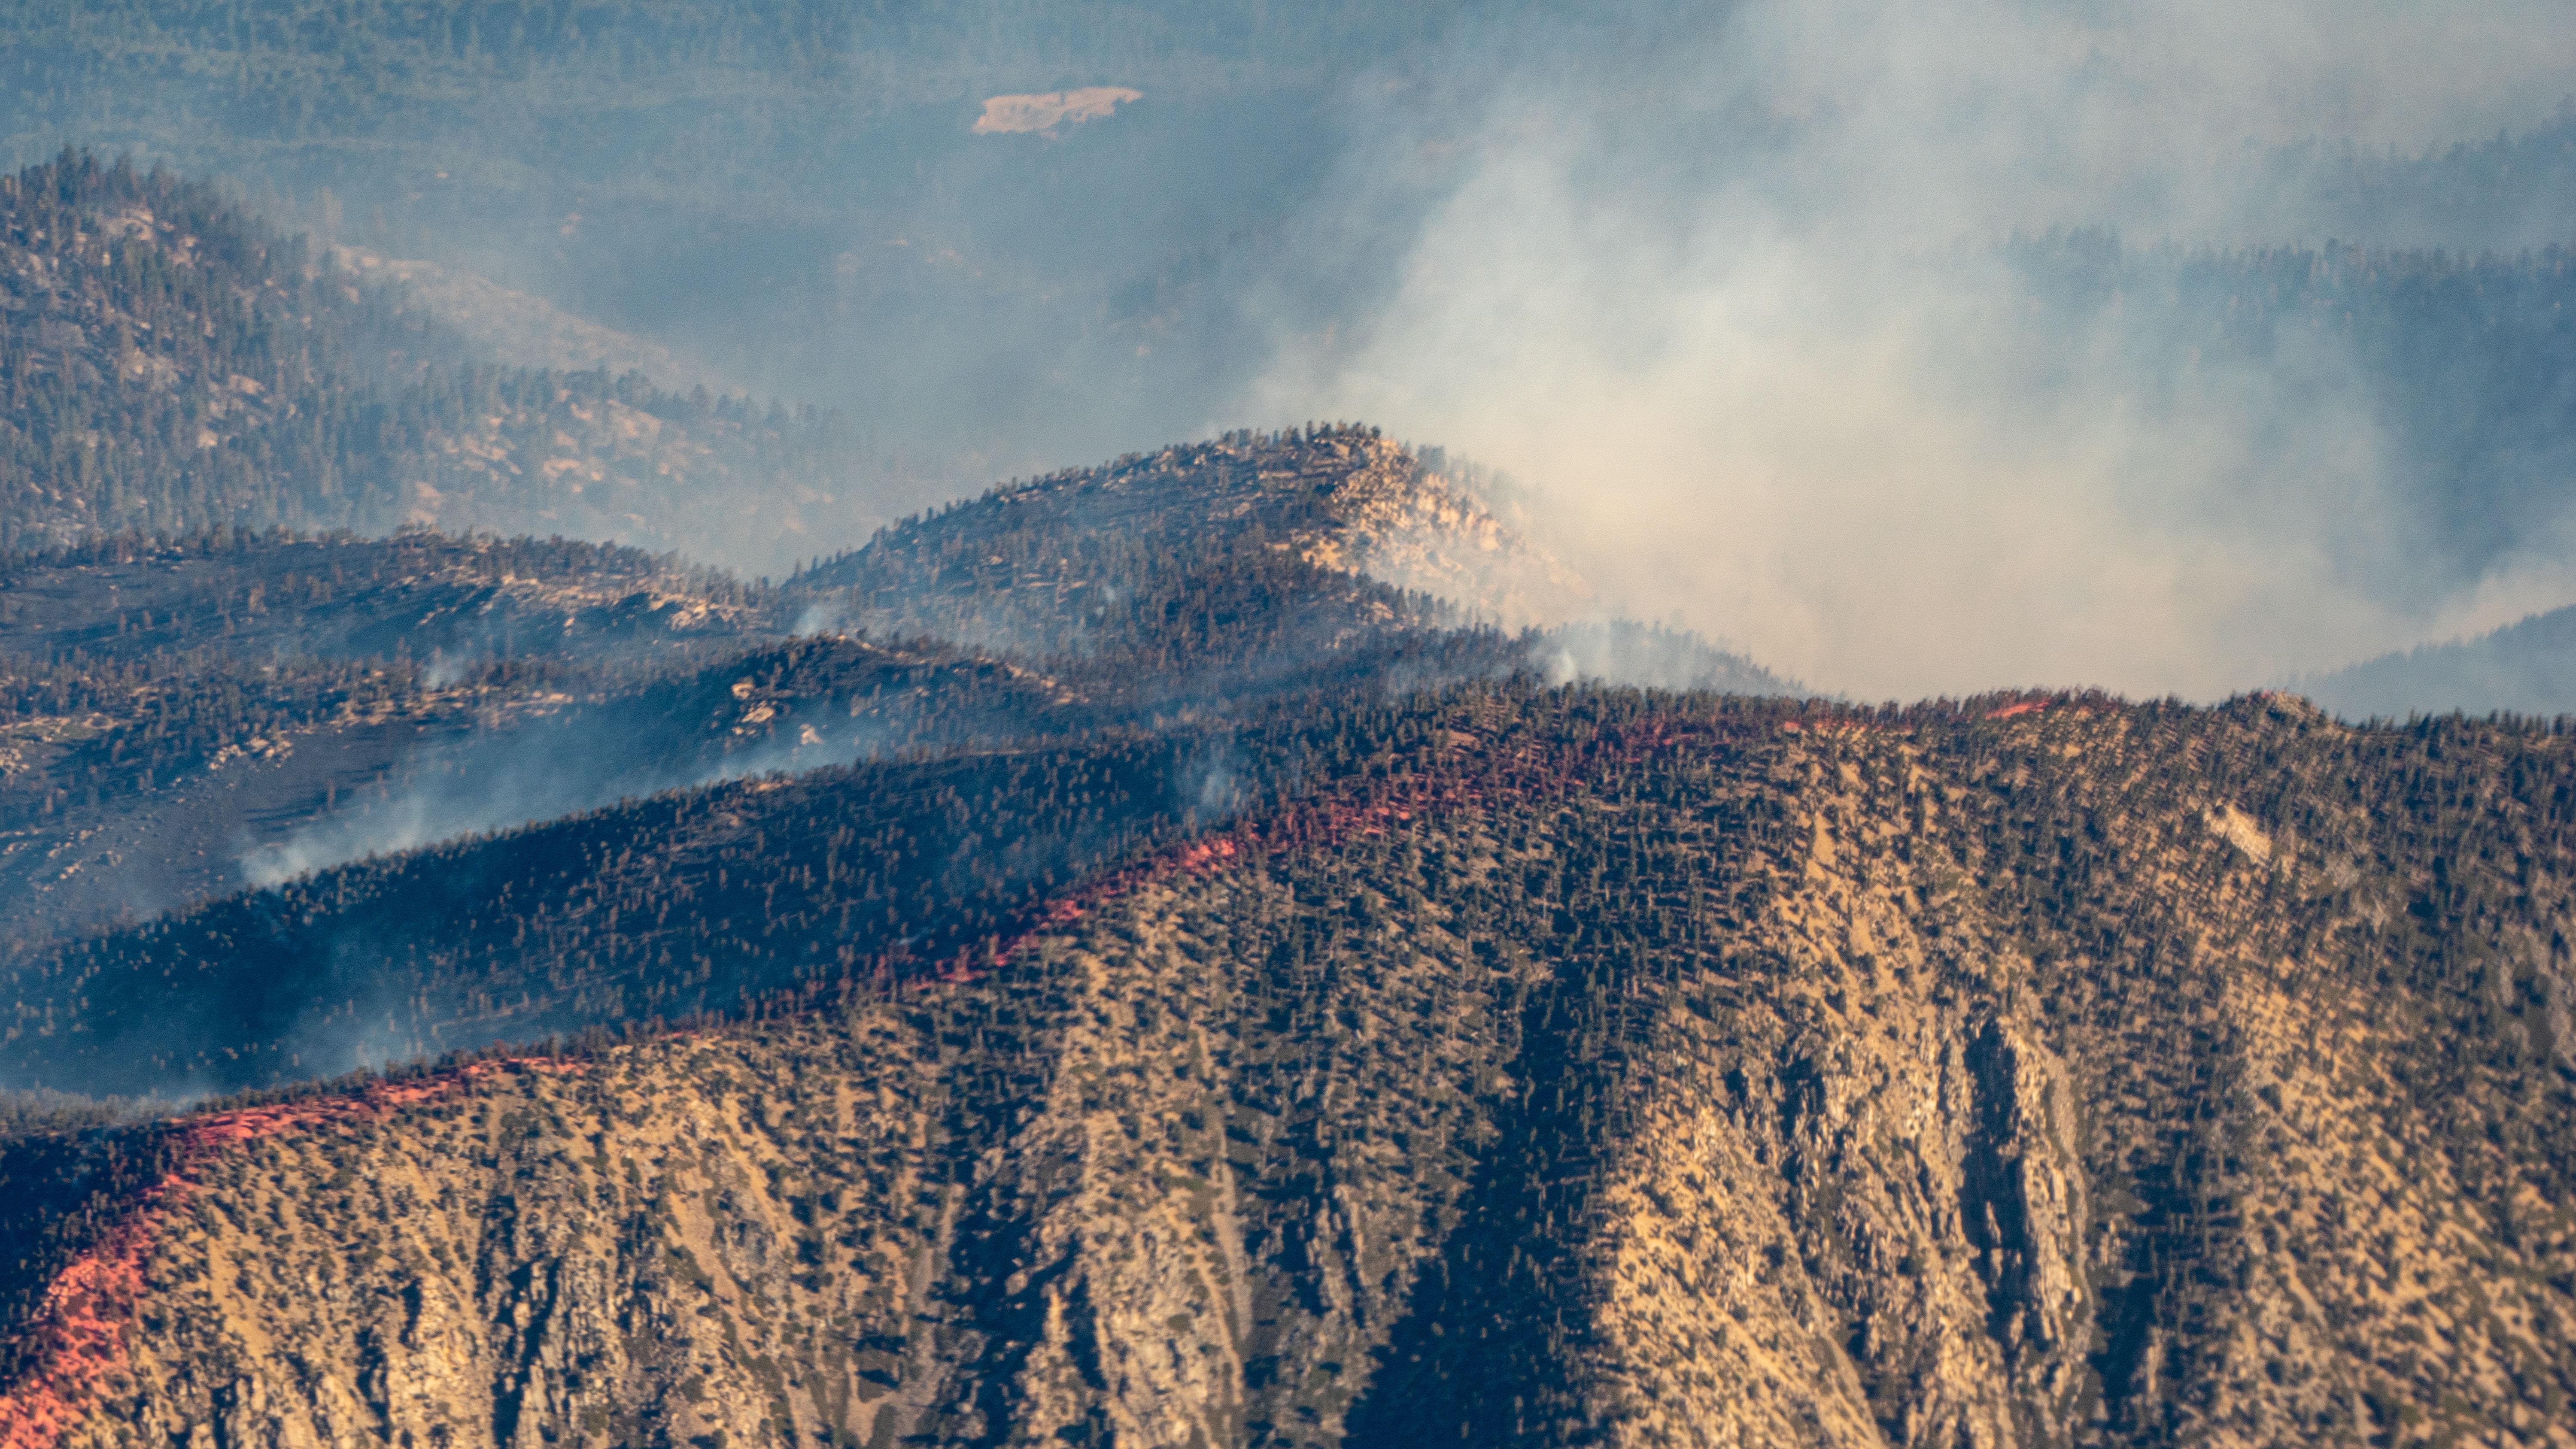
1694, 1000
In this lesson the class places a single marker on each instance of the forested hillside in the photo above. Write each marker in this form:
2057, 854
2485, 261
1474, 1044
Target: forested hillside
1251, 554
189, 716
418, 595
170, 364
1142, 617
788, 193
1235, 998
167, 706
549, 899
1562, 1067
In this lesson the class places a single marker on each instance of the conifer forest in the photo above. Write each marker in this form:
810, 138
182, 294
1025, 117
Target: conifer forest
739, 723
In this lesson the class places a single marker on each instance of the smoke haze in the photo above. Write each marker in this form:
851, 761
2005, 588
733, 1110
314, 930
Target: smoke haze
1767, 306
1731, 299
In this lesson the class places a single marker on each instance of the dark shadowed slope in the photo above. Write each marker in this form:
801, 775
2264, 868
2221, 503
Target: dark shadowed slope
695, 901
365, 760
188, 716
167, 706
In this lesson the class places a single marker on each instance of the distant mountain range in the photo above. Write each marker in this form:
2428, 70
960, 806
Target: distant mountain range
2523, 668
173, 365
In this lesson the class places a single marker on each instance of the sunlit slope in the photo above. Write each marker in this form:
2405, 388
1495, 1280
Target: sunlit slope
1252, 563
1627, 1070
1095, 560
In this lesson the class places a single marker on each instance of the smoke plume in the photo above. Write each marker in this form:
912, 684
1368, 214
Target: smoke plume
1736, 296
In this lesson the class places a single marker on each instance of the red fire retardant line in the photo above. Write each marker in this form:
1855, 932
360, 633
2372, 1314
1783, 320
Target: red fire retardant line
1328, 822
80, 1328
82, 1324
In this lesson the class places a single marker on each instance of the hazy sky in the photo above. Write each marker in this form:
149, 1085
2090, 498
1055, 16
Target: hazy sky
1717, 289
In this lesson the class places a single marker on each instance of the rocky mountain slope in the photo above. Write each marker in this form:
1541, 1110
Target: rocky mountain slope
1572, 1068
1295, 553
1198, 950
1010, 569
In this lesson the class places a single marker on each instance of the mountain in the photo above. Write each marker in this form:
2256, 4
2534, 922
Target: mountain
2525, 668
1102, 961
1160, 622
548, 900
1094, 964
191, 716
171, 364
1559, 1066
171, 706
793, 196
1092, 562
789, 193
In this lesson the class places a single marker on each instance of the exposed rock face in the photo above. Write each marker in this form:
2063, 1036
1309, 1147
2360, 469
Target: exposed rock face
1402, 521
1867, 1083
1415, 527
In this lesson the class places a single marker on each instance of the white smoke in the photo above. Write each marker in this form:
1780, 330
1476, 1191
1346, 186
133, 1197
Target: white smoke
1726, 292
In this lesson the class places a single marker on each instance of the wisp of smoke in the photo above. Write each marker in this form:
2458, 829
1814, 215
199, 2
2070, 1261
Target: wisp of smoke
504, 779
1729, 294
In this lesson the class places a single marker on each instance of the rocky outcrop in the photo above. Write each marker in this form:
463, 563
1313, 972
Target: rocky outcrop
1397, 519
